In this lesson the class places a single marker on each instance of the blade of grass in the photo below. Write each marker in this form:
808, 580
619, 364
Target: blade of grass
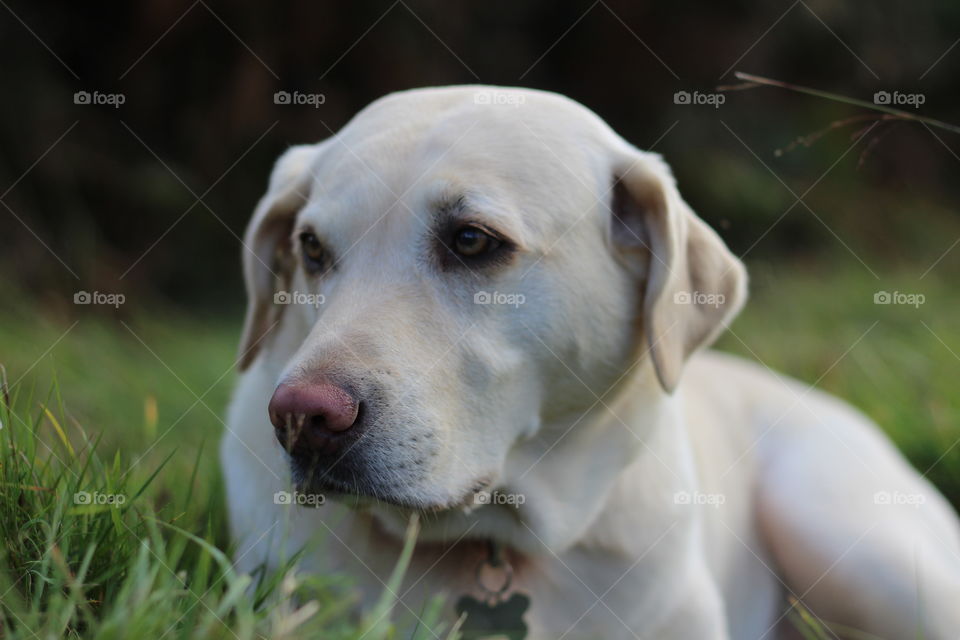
193, 475
60, 432
378, 625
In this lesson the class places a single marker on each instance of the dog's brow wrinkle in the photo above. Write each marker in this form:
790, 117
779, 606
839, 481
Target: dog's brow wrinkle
450, 206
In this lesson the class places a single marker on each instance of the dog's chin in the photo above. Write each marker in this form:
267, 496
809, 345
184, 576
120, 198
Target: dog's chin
446, 516
367, 497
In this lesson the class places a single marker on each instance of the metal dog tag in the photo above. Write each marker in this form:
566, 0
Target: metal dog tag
500, 619
496, 616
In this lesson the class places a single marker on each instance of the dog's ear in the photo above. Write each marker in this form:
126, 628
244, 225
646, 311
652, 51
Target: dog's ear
266, 257
692, 285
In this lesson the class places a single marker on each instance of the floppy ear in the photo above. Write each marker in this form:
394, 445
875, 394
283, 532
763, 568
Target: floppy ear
692, 286
266, 258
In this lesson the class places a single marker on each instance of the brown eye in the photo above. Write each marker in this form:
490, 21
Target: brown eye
471, 242
314, 255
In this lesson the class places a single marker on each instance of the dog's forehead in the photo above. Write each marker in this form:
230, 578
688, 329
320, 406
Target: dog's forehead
512, 150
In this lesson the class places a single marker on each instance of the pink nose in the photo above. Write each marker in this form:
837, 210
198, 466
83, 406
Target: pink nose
306, 416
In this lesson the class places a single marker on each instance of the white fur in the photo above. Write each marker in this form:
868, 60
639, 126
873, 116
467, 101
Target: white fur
573, 399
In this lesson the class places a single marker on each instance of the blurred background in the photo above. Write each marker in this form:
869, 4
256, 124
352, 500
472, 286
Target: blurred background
135, 139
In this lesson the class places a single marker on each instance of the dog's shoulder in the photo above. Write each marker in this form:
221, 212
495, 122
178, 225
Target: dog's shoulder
738, 393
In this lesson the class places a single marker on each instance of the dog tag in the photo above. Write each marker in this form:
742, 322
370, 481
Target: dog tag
486, 620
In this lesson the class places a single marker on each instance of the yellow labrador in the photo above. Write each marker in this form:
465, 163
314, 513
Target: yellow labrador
483, 305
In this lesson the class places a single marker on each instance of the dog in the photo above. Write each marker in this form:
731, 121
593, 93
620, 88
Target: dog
483, 306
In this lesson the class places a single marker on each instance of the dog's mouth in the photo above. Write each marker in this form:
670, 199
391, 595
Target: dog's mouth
355, 489
357, 496
362, 470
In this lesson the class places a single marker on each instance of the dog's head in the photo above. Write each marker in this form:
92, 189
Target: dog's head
460, 272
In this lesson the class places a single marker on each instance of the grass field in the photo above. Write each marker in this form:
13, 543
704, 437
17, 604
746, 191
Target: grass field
146, 391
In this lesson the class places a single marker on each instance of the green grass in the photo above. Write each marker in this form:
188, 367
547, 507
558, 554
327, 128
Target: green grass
130, 412
132, 405
93, 547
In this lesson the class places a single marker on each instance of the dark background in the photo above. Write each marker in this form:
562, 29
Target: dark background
198, 81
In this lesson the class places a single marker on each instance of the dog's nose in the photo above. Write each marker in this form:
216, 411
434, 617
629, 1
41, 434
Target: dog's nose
306, 417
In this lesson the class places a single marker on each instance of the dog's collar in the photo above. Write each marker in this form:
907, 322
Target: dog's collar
494, 613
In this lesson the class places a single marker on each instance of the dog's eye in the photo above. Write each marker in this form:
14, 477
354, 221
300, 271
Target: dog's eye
471, 241
314, 256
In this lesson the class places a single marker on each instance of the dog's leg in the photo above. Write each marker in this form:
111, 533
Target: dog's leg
861, 538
